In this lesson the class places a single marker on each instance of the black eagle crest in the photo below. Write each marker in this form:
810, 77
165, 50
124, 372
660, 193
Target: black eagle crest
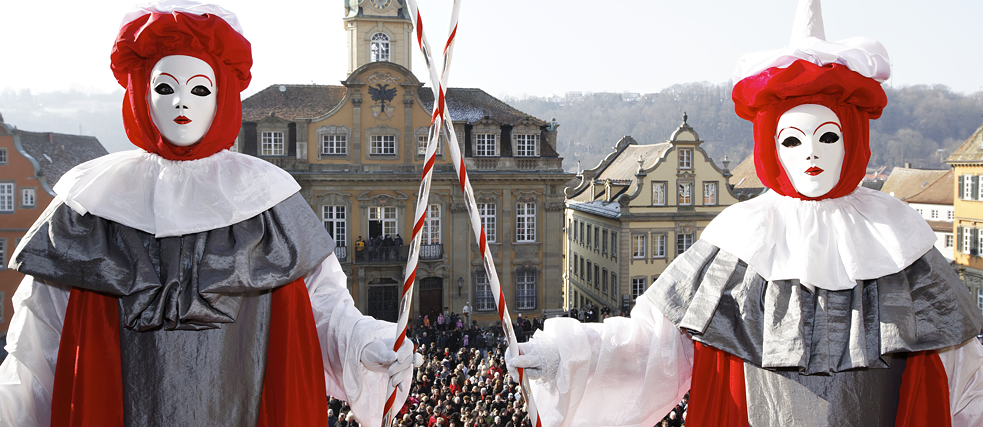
382, 94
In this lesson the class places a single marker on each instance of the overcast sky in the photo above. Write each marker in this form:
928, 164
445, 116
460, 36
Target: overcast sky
518, 47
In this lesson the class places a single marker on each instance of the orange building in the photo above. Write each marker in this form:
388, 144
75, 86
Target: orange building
30, 165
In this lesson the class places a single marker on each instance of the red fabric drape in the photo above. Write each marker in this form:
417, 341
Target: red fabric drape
924, 399
294, 393
88, 390
717, 393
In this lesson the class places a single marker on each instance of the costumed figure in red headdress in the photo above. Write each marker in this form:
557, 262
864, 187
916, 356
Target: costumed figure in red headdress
818, 303
181, 283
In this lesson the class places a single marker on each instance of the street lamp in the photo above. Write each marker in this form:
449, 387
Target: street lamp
460, 284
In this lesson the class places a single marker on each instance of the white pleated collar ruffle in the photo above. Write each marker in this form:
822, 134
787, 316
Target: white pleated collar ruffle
829, 244
172, 198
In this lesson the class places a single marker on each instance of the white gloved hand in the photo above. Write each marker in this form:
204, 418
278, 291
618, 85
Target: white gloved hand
539, 359
378, 356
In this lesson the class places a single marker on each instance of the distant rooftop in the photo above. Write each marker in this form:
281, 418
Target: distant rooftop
971, 150
745, 179
622, 169
920, 185
56, 153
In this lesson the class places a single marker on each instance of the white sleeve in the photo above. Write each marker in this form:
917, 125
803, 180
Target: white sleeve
27, 375
344, 332
623, 372
963, 368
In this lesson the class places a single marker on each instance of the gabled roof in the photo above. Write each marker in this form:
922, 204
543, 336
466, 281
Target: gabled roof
970, 151
623, 167
56, 153
745, 179
295, 102
920, 185
472, 104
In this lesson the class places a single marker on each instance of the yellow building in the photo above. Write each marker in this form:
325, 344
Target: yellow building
967, 164
357, 151
630, 216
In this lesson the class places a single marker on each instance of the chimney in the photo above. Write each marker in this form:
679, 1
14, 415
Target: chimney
907, 165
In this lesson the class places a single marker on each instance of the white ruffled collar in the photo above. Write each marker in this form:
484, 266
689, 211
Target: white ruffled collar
829, 244
171, 198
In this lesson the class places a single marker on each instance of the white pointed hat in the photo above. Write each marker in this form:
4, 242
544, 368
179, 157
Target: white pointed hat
808, 42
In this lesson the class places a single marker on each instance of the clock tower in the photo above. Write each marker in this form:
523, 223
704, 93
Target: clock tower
378, 30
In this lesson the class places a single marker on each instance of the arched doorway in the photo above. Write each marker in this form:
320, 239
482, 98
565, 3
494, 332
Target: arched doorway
384, 299
431, 297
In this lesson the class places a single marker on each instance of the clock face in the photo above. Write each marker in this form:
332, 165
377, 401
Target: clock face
381, 4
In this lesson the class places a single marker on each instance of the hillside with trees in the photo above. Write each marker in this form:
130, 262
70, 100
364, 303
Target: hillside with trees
917, 123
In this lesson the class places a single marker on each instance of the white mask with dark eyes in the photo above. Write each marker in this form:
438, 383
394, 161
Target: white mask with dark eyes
183, 97
810, 146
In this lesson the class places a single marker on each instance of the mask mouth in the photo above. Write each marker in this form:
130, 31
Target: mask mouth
182, 120
813, 171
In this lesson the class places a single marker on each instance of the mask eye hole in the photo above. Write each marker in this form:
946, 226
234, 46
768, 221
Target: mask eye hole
791, 142
200, 91
164, 89
829, 138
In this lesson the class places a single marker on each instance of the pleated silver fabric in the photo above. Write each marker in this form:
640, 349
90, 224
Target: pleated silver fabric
194, 309
189, 282
856, 398
724, 303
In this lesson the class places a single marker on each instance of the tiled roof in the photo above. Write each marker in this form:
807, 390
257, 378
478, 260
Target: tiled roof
56, 153
296, 102
971, 150
920, 185
744, 176
625, 166
471, 104
941, 226
598, 207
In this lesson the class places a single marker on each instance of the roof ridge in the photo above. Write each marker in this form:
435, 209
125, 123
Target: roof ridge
929, 185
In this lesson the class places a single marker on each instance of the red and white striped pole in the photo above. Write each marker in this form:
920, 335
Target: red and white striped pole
442, 120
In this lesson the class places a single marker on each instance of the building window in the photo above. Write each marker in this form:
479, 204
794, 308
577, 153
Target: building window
486, 144
948, 240
597, 275
333, 145
431, 226
950, 215
421, 145
483, 298
526, 146
935, 214
658, 193
272, 144
3, 156
383, 144
709, 193
335, 221
382, 221
685, 194
6, 197
614, 285
683, 242
979, 298
596, 238
604, 280
637, 288
3, 257
967, 238
581, 232
614, 244
685, 158
576, 224
379, 49
589, 276
486, 211
588, 236
525, 290
968, 186
658, 246
582, 268
525, 222
604, 242
638, 246
28, 197
575, 259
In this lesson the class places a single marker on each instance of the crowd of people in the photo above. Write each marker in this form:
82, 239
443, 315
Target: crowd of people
463, 381
380, 248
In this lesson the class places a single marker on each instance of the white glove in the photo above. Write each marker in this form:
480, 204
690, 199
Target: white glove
378, 356
539, 358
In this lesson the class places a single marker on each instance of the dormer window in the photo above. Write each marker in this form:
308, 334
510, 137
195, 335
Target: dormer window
526, 145
379, 48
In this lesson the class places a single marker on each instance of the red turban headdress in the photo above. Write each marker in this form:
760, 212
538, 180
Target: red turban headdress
764, 97
145, 40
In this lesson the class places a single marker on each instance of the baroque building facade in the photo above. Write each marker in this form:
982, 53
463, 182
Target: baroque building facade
357, 150
630, 216
967, 202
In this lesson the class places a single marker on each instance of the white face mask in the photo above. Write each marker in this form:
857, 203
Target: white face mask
810, 146
183, 97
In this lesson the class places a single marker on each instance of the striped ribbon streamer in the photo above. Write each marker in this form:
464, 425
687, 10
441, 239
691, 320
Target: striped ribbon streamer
441, 120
